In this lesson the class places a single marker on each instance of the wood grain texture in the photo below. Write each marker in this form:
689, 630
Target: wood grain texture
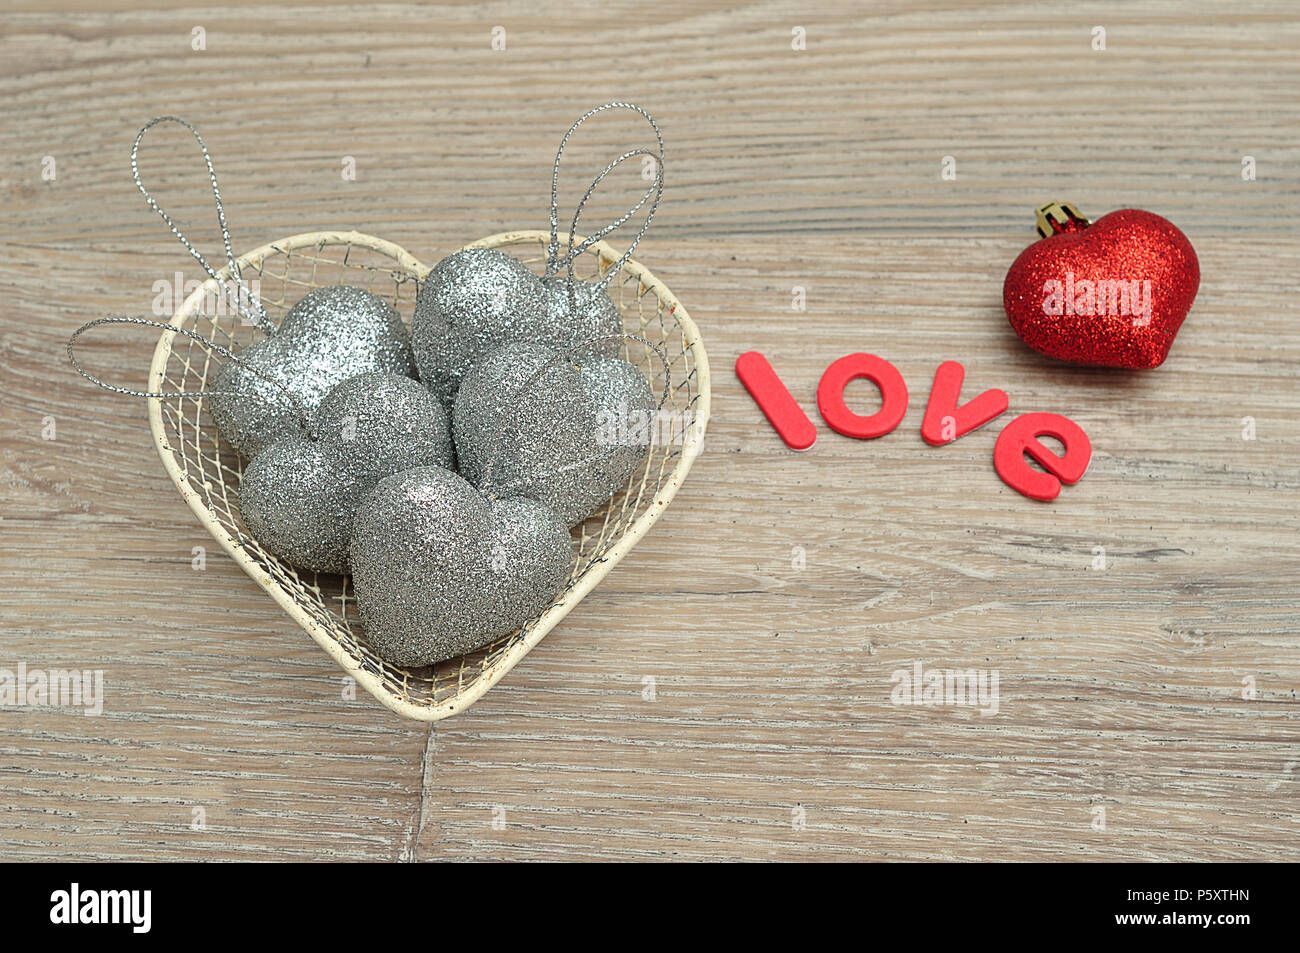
1120, 688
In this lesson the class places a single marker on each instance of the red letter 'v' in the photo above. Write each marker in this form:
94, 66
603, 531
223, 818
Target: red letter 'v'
944, 421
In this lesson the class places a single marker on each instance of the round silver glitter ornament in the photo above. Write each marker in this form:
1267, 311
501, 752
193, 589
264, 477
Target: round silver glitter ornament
626, 415
380, 423
292, 502
298, 496
587, 313
440, 569
471, 301
330, 335
529, 422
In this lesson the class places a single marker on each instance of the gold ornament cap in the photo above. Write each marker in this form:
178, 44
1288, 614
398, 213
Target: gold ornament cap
1058, 216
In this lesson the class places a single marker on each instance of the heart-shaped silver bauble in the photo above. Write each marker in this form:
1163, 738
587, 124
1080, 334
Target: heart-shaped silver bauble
480, 298
330, 335
529, 422
587, 315
298, 496
440, 569
471, 301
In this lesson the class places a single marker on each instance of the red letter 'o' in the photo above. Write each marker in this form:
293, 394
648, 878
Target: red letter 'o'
830, 396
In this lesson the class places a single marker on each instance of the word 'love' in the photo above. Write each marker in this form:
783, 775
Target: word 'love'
945, 419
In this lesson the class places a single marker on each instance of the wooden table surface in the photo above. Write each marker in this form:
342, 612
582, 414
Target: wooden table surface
1147, 710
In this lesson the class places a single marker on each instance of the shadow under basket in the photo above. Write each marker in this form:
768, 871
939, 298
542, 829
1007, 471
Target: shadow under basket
208, 472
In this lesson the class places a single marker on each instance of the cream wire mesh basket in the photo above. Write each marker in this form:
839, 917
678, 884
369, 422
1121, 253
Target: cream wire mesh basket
208, 472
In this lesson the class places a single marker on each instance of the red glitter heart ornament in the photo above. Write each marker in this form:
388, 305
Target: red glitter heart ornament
1112, 292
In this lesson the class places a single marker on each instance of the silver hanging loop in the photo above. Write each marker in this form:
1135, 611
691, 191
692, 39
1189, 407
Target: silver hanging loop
656, 189
258, 316
655, 192
294, 402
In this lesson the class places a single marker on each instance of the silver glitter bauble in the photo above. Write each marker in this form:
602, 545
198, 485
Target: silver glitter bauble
380, 423
440, 569
470, 302
330, 335
298, 496
569, 437
293, 503
587, 314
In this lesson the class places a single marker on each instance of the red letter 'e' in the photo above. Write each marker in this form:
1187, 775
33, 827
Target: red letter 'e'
1021, 436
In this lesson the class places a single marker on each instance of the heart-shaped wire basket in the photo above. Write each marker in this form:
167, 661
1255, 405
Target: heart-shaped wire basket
208, 472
